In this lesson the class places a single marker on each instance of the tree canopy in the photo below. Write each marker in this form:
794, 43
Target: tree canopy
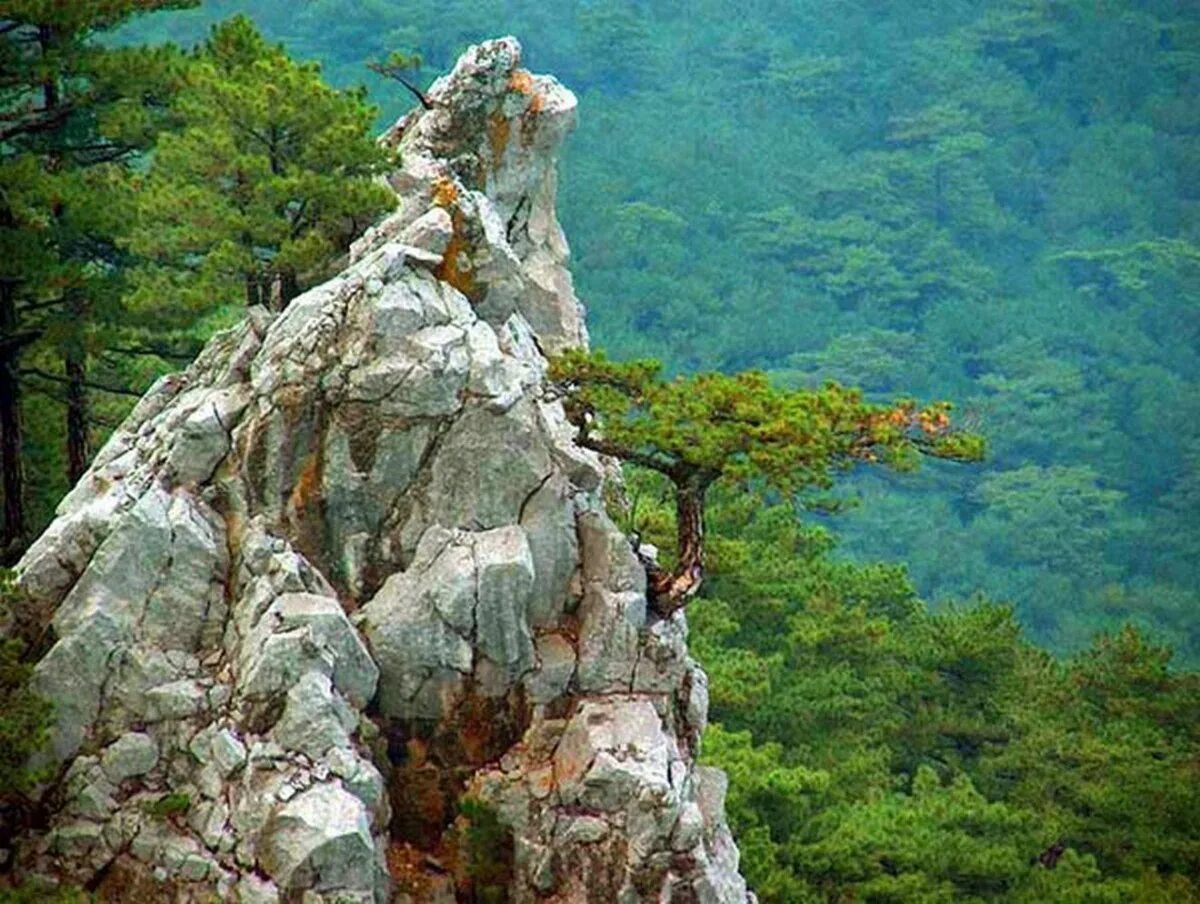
265, 183
703, 428
880, 750
74, 115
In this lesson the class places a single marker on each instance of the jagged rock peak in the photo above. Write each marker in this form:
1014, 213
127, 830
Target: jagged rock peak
349, 575
478, 172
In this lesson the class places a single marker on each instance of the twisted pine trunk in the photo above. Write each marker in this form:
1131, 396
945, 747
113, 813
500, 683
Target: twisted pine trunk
671, 590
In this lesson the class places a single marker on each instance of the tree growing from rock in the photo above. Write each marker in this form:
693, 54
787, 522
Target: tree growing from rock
710, 427
263, 187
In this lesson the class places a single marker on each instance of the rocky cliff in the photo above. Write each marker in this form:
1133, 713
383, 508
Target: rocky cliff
338, 614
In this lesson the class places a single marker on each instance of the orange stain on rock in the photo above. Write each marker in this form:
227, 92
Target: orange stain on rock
521, 81
406, 865
540, 782
477, 727
456, 268
307, 484
445, 192
417, 751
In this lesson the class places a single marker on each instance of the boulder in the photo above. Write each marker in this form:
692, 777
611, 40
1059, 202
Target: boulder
132, 754
302, 631
321, 840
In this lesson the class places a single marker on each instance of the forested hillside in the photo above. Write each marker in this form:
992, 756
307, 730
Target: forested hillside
995, 202
878, 751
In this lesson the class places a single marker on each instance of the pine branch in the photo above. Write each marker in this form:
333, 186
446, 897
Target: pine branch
32, 306
99, 387
60, 398
146, 351
17, 340
393, 72
33, 121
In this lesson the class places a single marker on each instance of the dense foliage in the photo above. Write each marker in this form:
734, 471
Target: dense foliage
25, 719
712, 426
880, 751
266, 180
74, 116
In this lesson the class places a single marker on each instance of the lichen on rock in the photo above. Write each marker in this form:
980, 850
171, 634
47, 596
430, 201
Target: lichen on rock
349, 570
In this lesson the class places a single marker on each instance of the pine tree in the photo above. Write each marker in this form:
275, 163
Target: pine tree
712, 427
267, 182
72, 114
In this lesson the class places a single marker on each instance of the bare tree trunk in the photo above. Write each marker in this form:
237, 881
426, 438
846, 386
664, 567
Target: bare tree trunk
670, 591
253, 291
289, 288
75, 365
11, 464
689, 529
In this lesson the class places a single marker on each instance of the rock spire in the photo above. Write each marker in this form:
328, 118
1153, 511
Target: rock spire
338, 615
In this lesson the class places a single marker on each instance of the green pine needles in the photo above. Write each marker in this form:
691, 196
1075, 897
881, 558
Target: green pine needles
711, 427
24, 716
266, 182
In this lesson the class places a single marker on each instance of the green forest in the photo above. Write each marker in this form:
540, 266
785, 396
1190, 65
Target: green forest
967, 682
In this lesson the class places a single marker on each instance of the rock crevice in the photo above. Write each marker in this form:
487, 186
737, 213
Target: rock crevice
344, 593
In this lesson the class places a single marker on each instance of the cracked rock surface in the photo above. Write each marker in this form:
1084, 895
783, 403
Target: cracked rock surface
349, 569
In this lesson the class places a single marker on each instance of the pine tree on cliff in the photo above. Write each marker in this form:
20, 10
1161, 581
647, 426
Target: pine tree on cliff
73, 113
739, 429
264, 186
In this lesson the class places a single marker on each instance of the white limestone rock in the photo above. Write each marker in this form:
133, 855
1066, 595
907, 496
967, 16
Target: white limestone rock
419, 623
228, 752
124, 570
302, 631
503, 581
73, 675
548, 519
175, 700
209, 820
252, 889
132, 754
358, 776
556, 667
487, 466
612, 754
430, 232
315, 717
721, 882
321, 840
